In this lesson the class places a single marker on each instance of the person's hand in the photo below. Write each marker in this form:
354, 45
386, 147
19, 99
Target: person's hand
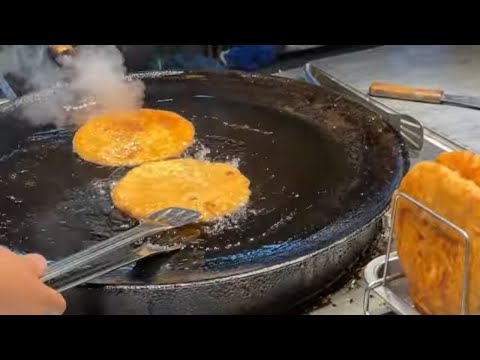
21, 290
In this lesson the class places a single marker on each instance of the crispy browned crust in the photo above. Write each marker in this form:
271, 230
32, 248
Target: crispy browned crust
466, 163
432, 255
213, 189
134, 137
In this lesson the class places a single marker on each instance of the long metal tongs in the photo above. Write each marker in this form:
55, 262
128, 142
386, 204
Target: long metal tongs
112, 254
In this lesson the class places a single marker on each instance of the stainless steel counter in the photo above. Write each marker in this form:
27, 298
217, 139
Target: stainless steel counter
453, 68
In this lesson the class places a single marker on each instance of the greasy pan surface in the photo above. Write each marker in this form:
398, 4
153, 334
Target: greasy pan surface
320, 167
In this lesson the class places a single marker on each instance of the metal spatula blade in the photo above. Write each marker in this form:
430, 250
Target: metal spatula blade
93, 262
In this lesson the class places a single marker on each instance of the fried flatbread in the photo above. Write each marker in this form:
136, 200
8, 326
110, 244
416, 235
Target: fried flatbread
213, 189
432, 254
466, 163
134, 137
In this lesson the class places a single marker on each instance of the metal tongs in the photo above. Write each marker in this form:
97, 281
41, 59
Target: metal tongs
116, 252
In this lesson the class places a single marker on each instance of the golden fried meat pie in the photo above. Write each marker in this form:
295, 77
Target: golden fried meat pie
466, 163
432, 254
213, 189
133, 137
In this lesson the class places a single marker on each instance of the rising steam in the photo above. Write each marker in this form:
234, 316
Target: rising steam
96, 74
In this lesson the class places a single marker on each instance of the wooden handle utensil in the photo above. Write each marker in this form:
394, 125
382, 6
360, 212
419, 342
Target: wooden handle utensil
401, 92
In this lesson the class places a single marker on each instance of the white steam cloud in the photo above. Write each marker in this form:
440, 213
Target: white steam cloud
96, 74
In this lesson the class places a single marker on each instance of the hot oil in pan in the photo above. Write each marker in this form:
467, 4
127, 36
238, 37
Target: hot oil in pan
291, 166
52, 202
55, 204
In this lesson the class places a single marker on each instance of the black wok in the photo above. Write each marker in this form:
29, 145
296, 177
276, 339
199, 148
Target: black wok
322, 172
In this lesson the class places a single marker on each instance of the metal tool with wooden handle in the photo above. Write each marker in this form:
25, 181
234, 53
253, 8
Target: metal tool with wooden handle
432, 96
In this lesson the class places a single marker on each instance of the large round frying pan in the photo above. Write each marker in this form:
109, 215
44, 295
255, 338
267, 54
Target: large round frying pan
322, 171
